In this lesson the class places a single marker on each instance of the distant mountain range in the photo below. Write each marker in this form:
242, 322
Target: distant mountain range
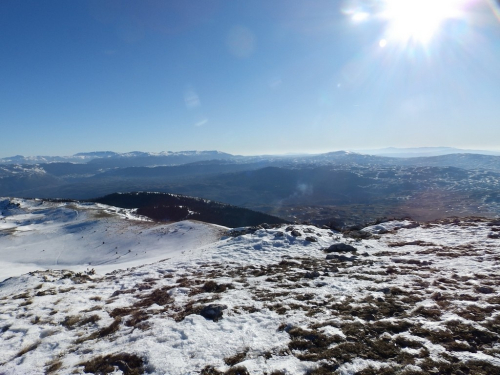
110, 159
423, 151
321, 188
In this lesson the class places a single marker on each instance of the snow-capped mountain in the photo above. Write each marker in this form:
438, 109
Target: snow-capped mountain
107, 157
397, 297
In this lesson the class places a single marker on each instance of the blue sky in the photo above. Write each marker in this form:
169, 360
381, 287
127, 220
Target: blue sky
247, 77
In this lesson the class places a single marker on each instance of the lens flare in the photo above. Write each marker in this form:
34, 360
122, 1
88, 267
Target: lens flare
495, 6
418, 20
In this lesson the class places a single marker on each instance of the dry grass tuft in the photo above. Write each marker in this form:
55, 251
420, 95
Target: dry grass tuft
106, 331
27, 349
52, 366
129, 364
237, 358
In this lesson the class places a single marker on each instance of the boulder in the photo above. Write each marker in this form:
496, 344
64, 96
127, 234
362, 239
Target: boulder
485, 289
212, 311
358, 234
340, 248
311, 239
296, 233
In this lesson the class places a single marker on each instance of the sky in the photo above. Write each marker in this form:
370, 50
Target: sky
248, 77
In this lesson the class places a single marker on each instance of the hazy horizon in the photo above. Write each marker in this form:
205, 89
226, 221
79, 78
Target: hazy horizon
361, 151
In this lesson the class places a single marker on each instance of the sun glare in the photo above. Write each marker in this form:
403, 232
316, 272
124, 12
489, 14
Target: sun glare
418, 20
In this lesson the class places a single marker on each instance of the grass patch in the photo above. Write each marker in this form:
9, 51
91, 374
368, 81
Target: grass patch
237, 358
106, 331
27, 349
158, 296
129, 364
70, 321
52, 366
210, 370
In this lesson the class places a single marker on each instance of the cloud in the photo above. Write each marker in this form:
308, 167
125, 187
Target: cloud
191, 99
202, 122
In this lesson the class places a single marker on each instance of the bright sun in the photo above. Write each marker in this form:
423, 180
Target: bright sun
418, 20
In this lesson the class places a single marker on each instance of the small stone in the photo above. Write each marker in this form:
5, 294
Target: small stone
385, 336
485, 289
385, 290
312, 275
213, 311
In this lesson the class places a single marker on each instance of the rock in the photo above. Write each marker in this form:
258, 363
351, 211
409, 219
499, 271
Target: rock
411, 225
279, 234
312, 275
296, 233
340, 248
358, 234
341, 258
213, 311
289, 229
485, 289
386, 336
311, 239
265, 225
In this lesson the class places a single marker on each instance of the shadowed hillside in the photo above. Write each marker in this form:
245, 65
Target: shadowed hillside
172, 207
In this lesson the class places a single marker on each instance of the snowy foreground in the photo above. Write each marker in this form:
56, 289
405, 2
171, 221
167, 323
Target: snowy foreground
412, 299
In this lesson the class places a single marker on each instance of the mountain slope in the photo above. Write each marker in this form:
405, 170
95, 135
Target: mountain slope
172, 207
36, 234
420, 299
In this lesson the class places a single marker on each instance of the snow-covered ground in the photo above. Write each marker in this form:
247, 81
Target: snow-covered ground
417, 299
35, 234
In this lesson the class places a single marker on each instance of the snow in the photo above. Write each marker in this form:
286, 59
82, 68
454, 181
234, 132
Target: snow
43, 235
265, 281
